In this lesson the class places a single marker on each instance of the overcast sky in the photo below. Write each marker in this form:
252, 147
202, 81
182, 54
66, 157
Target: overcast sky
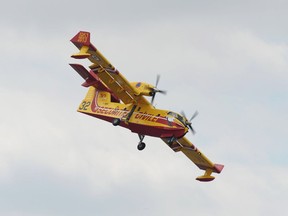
226, 59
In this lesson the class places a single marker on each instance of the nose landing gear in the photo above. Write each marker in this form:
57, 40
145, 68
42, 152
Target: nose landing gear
141, 145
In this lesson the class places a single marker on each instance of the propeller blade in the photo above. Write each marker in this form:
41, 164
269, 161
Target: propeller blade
189, 123
194, 115
157, 80
152, 99
162, 91
183, 114
192, 130
156, 90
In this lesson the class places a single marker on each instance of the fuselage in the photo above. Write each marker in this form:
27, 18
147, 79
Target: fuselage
141, 119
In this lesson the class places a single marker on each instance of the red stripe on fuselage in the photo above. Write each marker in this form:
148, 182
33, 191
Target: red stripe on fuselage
167, 130
149, 130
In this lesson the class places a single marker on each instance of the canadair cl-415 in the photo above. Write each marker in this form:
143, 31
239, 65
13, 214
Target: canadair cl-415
111, 97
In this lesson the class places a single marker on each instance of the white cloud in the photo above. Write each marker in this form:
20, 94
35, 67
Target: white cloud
232, 73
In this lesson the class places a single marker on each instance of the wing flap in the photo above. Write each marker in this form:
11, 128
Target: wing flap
121, 89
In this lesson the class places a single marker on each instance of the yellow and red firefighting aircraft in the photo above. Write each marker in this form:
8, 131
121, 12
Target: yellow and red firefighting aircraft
111, 97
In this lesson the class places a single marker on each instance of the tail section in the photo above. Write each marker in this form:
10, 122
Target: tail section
91, 79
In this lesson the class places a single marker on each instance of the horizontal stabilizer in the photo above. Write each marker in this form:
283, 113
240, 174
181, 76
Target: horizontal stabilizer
81, 70
91, 79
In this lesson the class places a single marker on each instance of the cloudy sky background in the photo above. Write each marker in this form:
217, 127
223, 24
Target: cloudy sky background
226, 59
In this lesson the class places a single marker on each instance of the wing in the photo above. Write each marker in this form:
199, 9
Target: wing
197, 157
108, 74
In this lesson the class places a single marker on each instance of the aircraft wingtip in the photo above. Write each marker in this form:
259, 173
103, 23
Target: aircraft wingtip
82, 37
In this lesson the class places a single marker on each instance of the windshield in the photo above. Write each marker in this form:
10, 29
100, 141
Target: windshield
178, 117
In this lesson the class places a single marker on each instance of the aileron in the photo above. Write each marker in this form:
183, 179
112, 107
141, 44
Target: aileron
196, 156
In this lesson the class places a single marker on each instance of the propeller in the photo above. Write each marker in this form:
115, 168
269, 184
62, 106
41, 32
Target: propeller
189, 123
155, 90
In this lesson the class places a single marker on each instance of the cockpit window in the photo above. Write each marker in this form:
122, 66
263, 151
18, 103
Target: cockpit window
170, 118
177, 116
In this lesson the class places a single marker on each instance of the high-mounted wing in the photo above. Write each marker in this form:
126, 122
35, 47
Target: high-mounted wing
199, 159
108, 74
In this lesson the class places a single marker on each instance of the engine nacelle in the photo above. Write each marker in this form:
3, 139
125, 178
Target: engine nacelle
143, 88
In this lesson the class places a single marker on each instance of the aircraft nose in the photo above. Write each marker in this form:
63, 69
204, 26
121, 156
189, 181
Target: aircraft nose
186, 129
